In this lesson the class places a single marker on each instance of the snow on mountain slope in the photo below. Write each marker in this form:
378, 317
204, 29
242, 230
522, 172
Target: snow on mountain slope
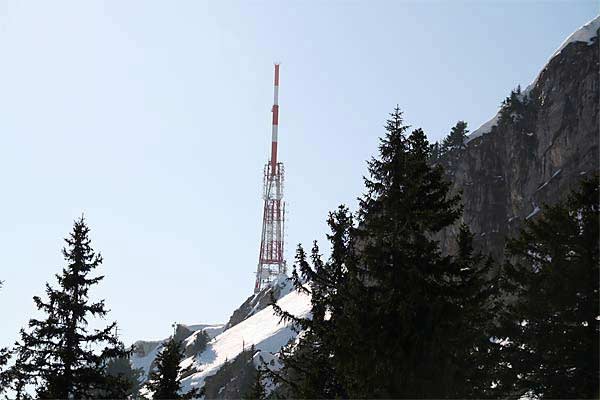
584, 34
144, 360
258, 301
146, 351
264, 330
211, 329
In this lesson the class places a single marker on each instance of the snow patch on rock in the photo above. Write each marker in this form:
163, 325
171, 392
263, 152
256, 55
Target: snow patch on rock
263, 330
584, 34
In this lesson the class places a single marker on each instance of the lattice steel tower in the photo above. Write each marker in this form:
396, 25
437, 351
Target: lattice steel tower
270, 259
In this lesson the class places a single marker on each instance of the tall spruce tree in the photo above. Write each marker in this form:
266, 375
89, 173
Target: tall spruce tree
403, 274
402, 320
551, 329
165, 380
417, 298
309, 366
58, 354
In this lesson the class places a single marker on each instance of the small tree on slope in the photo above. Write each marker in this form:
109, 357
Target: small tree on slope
455, 141
165, 380
257, 391
120, 369
58, 354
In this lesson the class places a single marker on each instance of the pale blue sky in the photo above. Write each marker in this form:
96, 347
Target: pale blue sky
153, 118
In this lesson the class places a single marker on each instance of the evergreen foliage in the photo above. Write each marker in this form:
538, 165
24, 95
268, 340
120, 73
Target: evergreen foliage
455, 141
309, 367
165, 380
5, 355
435, 151
235, 378
392, 316
199, 344
450, 151
519, 110
551, 328
257, 391
121, 370
58, 355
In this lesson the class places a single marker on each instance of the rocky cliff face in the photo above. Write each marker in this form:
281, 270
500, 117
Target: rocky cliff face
544, 141
258, 301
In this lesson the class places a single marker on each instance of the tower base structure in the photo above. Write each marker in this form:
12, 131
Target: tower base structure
271, 261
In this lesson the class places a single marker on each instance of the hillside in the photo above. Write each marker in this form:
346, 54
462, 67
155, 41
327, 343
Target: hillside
255, 325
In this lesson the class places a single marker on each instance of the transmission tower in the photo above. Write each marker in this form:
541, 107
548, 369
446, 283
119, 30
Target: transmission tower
270, 259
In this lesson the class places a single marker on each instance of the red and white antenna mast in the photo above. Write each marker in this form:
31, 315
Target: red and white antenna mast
270, 259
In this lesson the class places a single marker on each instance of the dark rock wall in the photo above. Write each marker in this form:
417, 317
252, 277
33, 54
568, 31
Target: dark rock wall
259, 301
535, 159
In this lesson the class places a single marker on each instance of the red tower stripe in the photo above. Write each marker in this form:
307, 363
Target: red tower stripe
275, 114
273, 156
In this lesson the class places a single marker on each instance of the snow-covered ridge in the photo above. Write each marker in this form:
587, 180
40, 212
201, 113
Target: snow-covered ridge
147, 350
253, 304
211, 330
264, 330
260, 328
584, 34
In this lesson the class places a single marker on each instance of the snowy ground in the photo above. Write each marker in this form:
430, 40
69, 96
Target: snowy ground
152, 348
263, 330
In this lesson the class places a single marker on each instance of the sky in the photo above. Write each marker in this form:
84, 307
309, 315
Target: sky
152, 118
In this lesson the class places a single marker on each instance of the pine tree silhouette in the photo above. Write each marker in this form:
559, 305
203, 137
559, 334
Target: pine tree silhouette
551, 326
391, 316
165, 380
257, 391
58, 354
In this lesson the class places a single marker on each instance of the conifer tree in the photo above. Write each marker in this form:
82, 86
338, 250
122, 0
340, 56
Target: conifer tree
4, 357
402, 319
121, 371
309, 366
257, 391
475, 293
401, 288
17, 378
165, 380
551, 330
455, 141
436, 152
58, 354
